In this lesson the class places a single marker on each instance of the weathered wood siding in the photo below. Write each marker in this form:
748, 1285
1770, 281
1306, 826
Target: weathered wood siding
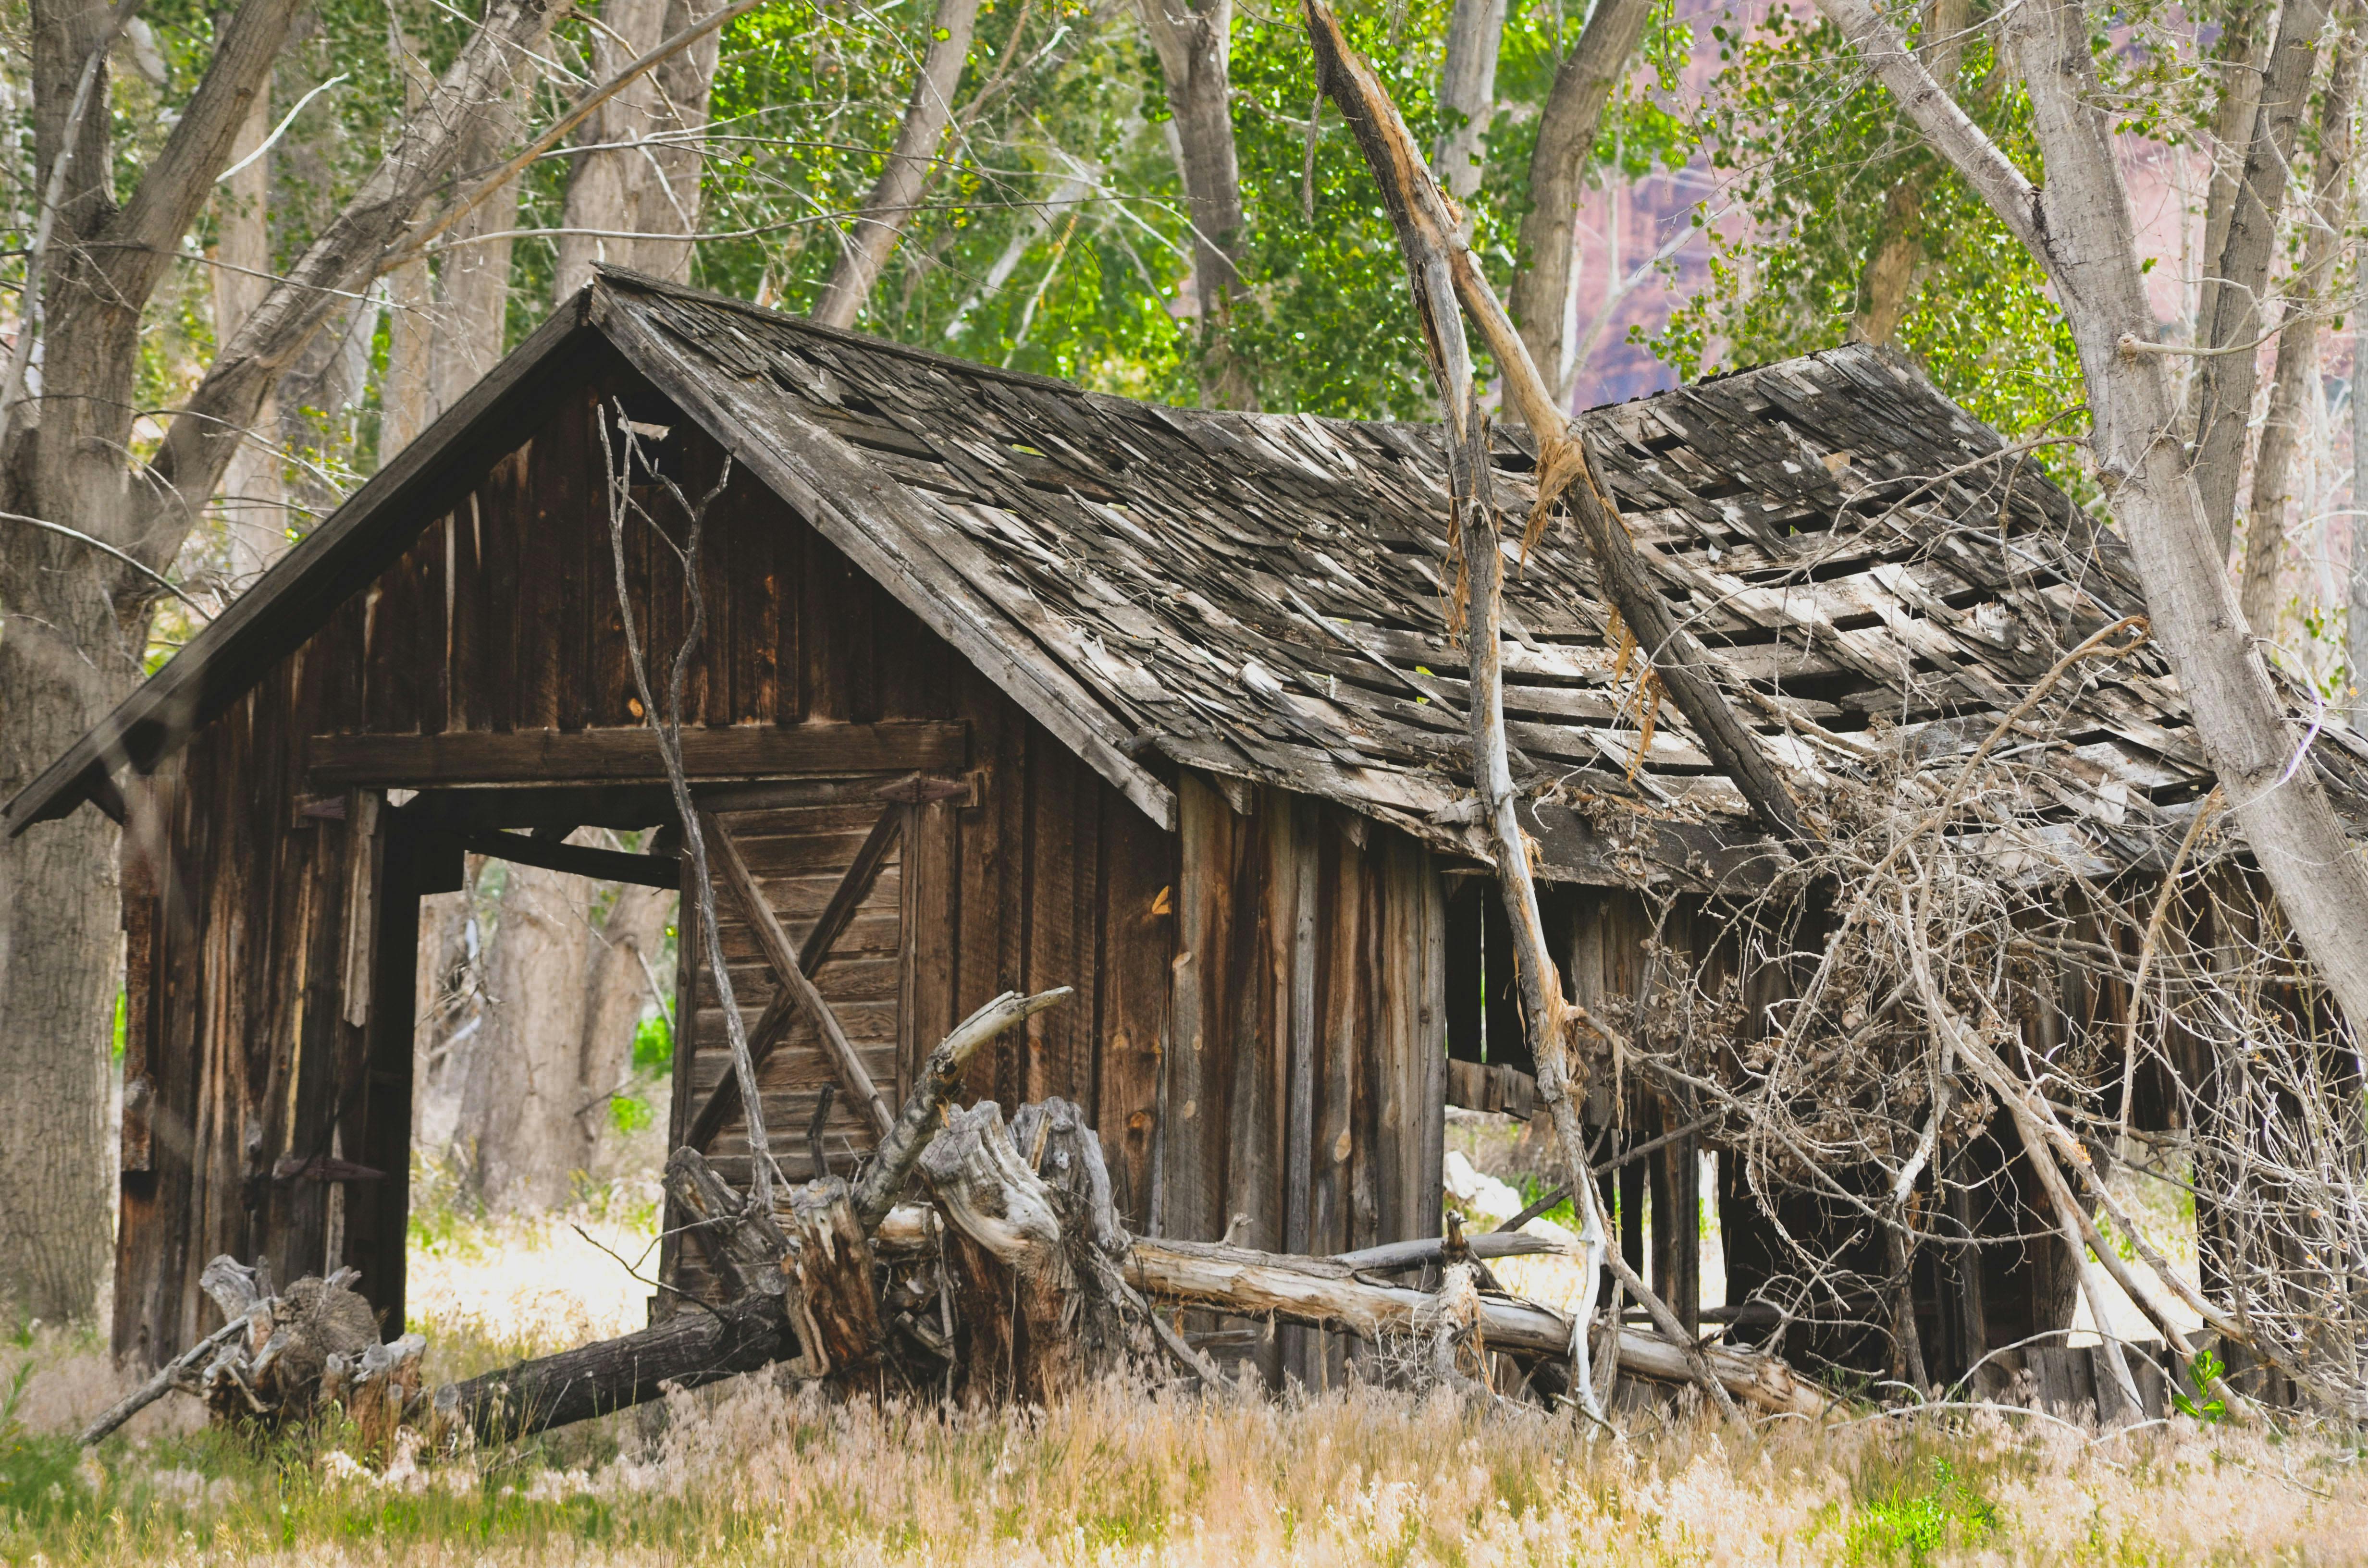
1308, 1095
1303, 1084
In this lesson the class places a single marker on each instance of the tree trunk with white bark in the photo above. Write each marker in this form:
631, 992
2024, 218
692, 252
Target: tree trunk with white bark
2298, 344
1193, 40
2222, 393
564, 986
912, 163
255, 522
633, 194
2081, 227
1467, 94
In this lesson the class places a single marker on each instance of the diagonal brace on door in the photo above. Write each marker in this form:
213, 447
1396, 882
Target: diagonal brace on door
793, 971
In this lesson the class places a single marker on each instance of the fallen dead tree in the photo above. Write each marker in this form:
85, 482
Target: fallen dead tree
1009, 1277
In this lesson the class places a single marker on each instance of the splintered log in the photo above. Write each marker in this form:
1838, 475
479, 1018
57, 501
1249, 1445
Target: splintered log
801, 1280
283, 1357
1011, 1275
1325, 1293
940, 1081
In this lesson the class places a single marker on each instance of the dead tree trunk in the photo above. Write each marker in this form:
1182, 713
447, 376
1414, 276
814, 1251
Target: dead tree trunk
1440, 269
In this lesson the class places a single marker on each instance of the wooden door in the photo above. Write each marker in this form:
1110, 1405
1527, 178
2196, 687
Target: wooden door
832, 877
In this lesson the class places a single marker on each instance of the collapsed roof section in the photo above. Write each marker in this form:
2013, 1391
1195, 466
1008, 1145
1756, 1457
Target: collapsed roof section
1265, 596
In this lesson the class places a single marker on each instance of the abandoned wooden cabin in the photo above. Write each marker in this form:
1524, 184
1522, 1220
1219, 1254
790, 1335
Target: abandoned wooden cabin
1008, 685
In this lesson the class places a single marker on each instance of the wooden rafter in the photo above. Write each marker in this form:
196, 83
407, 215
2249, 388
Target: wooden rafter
791, 971
577, 860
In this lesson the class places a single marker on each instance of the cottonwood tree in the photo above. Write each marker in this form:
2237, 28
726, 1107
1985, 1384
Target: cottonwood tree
912, 163
1546, 286
2321, 219
563, 984
2077, 222
1467, 94
1193, 40
2222, 397
90, 529
633, 194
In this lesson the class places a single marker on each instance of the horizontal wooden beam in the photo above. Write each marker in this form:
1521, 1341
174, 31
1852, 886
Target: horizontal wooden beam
540, 756
577, 860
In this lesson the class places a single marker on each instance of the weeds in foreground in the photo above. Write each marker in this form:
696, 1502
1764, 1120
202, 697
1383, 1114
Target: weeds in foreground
753, 1473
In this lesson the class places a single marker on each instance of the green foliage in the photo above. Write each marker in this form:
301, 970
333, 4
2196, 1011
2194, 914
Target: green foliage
629, 1114
653, 1046
1328, 326
1912, 1517
443, 1218
115, 1045
2205, 1372
1824, 170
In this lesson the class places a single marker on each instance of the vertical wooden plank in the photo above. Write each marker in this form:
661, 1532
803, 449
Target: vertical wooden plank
611, 697
1257, 971
992, 922
438, 696
142, 955
859, 621
375, 1223
548, 645
758, 533
1347, 1034
1297, 875
1138, 950
470, 705
391, 670
720, 558
154, 1294
831, 585
909, 661
501, 520
1347, 1037
933, 877
1064, 846
689, 962
1427, 1179
792, 560
1191, 1189
1299, 869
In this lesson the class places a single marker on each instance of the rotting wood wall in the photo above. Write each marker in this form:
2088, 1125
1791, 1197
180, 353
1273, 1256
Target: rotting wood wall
270, 915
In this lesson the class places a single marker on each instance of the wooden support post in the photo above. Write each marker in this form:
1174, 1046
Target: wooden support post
378, 1214
1677, 1214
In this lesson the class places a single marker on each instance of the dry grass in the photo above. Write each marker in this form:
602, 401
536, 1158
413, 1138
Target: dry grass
1119, 1474
1124, 1474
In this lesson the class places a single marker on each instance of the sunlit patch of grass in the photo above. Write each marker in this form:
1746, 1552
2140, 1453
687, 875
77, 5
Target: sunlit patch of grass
1914, 1513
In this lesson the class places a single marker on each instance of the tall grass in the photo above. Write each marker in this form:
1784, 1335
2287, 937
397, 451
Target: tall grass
749, 1472
1123, 1473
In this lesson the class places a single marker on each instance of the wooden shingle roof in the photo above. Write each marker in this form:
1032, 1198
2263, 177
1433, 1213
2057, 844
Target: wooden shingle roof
1260, 596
